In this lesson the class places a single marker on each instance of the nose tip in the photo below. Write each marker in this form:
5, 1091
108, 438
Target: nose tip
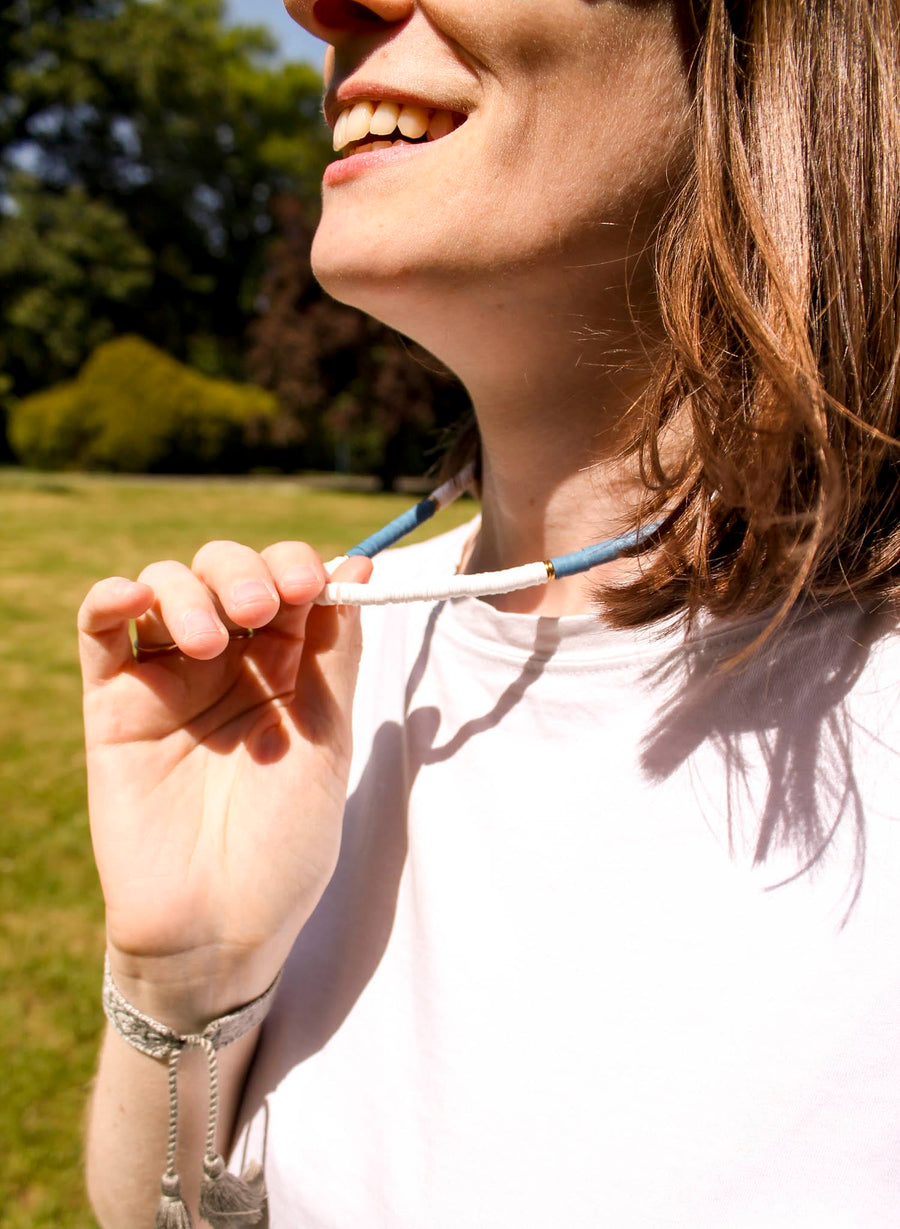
302, 12
328, 18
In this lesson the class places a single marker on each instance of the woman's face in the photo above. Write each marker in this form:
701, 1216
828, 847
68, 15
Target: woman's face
557, 125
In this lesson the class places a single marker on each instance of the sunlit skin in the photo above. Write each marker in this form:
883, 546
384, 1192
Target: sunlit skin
515, 248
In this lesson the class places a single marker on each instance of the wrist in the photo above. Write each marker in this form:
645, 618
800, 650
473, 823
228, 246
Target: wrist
186, 991
159, 1040
223, 1196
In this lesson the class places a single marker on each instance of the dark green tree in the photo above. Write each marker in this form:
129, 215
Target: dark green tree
140, 144
69, 267
354, 394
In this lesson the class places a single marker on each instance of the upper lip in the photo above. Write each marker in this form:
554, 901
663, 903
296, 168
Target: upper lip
339, 98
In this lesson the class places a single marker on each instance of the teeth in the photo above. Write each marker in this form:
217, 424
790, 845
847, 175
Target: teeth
358, 122
384, 121
413, 122
440, 125
340, 131
381, 119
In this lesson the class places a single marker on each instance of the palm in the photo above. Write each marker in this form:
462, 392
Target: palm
217, 790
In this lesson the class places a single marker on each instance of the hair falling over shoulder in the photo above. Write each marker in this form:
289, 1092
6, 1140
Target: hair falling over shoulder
770, 435
779, 280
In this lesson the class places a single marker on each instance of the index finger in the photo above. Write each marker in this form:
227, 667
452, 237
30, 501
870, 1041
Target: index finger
104, 639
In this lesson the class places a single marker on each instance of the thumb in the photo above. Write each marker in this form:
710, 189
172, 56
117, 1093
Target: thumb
332, 650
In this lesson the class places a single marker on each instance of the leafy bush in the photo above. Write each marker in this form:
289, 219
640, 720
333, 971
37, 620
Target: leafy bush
134, 409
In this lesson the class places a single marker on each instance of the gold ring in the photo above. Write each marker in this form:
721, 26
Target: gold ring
143, 651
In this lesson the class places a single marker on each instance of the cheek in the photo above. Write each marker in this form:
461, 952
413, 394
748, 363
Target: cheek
597, 136
563, 167
610, 146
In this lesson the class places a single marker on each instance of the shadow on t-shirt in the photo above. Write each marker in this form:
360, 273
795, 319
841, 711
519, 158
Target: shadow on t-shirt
343, 942
783, 709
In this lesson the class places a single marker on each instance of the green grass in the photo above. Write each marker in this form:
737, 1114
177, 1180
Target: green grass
60, 533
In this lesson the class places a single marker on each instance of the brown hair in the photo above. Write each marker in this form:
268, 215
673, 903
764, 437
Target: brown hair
778, 268
779, 284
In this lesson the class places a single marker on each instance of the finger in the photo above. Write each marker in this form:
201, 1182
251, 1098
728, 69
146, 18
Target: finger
104, 618
297, 571
241, 582
332, 652
289, 563
299, 576
355, 569
183, 613
336, 628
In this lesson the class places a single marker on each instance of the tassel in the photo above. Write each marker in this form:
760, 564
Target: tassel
172, 1212
228, 1202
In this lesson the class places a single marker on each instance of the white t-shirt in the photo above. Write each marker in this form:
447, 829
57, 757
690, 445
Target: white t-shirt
614, 939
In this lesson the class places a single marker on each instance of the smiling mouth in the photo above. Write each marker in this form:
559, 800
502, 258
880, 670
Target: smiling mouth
373, 125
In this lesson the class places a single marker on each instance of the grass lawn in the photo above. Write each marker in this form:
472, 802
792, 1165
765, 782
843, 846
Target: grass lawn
60, 533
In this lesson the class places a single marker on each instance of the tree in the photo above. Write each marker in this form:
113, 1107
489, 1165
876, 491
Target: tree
169, 133
68, 265
134, 409
352, 391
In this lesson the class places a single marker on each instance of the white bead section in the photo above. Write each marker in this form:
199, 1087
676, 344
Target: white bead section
482, 584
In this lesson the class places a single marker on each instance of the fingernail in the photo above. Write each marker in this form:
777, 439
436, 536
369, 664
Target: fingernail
200, 623
303, 574
252, 591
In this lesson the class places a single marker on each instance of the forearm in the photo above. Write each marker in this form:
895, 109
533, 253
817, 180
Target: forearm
215, 765
128, 1126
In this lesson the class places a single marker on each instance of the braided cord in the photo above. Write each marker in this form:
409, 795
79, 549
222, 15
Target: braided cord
213, 1119
172, 1144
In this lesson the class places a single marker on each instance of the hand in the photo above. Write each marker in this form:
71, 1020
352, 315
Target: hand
217, 772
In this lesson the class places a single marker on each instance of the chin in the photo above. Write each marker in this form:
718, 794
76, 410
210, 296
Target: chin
401, 289
378, 293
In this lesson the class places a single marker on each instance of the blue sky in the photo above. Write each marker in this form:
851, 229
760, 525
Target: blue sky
296, 44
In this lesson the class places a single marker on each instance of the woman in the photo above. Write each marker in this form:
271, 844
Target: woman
597, 923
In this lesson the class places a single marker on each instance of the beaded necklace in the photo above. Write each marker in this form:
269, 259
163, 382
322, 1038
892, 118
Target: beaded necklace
481, 584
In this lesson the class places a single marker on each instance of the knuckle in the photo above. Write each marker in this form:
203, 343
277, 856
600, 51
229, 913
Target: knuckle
93, 597
100, 595
217, 550
283, 554
292, 545
83, 618
159, 571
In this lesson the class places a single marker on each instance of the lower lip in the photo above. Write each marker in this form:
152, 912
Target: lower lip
344, 169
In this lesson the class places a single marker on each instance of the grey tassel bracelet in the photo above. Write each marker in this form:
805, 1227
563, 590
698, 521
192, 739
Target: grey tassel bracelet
226, 1201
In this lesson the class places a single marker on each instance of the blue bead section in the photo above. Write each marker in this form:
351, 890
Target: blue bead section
582, 560
396, 529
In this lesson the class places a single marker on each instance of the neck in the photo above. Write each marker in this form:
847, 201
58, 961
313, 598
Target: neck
553, 477
554, 359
